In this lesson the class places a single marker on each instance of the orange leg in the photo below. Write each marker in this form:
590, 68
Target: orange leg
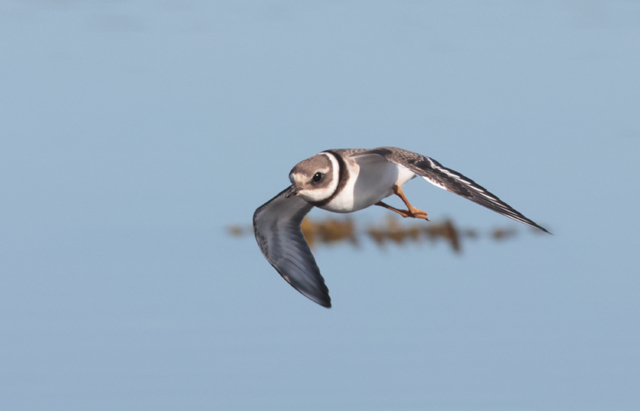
411, 210
403, 213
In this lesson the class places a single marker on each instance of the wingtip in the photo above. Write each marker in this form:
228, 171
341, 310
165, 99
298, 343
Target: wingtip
323, 300
542, 228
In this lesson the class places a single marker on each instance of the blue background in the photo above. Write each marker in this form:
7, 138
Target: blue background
133, 132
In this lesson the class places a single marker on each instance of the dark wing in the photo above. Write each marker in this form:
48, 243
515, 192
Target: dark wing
276, 225
451, 180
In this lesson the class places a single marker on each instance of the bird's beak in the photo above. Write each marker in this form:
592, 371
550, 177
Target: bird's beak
293, 192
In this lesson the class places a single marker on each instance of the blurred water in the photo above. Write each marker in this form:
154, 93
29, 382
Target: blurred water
132, 133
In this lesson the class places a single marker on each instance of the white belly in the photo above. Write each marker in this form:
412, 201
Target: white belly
371, 179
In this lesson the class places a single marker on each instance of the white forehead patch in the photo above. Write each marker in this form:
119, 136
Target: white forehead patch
293, 177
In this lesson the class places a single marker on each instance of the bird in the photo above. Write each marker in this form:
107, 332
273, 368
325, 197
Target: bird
345, 181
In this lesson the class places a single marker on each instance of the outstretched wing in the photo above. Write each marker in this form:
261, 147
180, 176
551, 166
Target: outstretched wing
451, 180
276, 225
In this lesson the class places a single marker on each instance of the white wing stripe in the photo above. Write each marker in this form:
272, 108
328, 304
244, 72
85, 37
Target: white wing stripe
450, 180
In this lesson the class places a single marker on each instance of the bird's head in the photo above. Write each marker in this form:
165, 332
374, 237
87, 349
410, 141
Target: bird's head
316, 178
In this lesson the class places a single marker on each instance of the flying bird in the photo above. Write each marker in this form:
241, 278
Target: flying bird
344, 181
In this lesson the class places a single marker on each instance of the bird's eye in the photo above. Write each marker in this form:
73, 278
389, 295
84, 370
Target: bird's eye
317, 177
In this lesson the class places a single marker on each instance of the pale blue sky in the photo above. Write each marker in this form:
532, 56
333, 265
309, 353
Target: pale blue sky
132, 133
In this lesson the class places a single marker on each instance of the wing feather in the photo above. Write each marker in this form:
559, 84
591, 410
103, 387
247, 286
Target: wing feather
276, 225
451, 180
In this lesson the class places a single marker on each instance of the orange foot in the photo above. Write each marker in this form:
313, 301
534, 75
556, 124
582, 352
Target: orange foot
411, 210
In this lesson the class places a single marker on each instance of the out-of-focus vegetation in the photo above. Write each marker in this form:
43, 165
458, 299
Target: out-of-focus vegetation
392, 231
